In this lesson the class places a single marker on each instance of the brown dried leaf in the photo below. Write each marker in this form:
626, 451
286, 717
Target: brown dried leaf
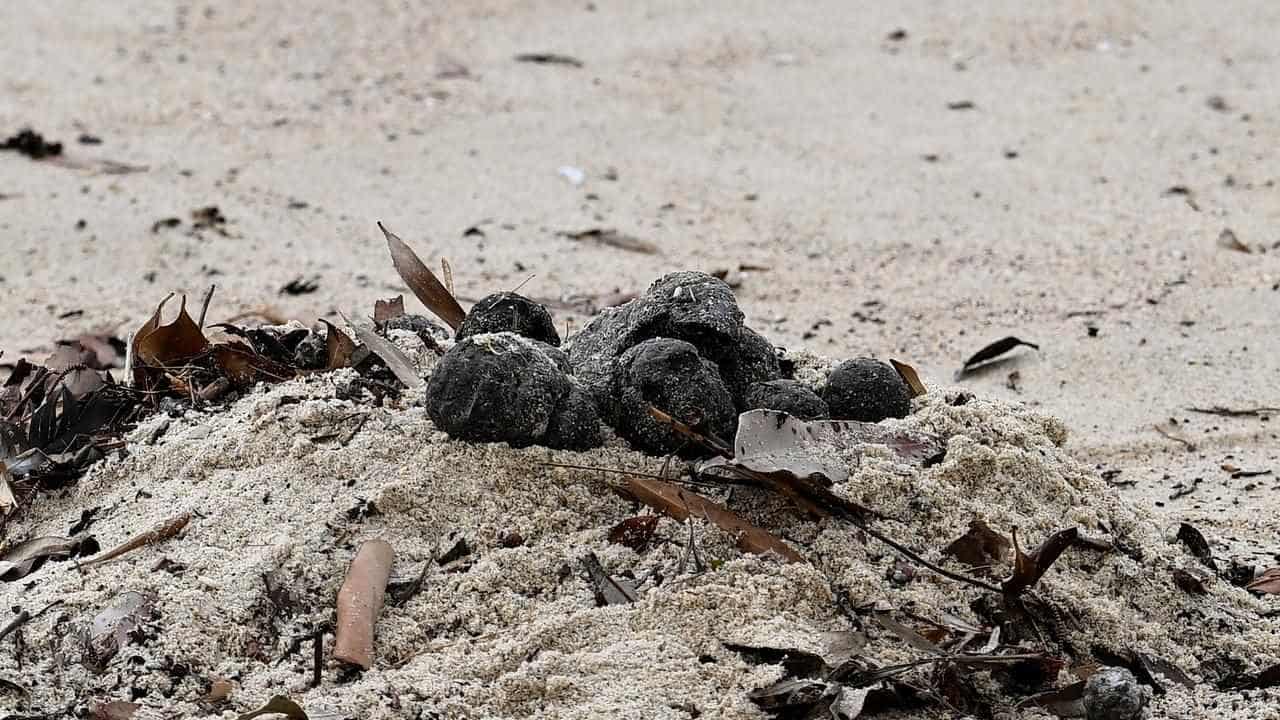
1267, 583
219, 691
980, 546
385, 310
1188, 582
165, 346
424, 283
339, 347
681, 504
910, 377
608, 589
1028, 569
279, 705
634, 532
244, 366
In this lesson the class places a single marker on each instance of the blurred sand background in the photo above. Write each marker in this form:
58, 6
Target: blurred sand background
816, 139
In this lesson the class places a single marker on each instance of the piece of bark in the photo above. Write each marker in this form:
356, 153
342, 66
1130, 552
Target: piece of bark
360, 602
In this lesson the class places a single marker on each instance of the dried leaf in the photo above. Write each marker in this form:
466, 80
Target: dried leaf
980, 546
909, 636
1266, 678
634, 532
1195, 541
27, 557
838, 648
608, 589
993, 351
1028, 569
113, 710
397, 361
339, 347
789, 694
543, 58
219, 691
111, 627
1151, 669
10, 686
1227, 239
1268, 583
244, 366
1066, 701
386, 310
279, 705
910, 377
424, 283
771, 442
681, 504
164, 346
613, 238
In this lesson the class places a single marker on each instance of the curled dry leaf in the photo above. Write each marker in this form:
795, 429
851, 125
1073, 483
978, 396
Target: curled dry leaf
680, 504
980, 546
993, 351
1029, 568
340, 349
386, 310
163, 346
424, 283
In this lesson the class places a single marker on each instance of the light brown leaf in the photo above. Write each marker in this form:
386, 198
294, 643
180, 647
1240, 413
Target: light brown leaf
910, 377
1028, 569
385, 310
424, 283
159, 345
339, 347
680, 504
113, 710
279, 705
1268, 582
980, 546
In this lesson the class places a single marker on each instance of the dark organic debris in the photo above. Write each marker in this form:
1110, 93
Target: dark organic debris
278, 705
961, 105
300, 286
1268, 677
26, 557
1029, 568
164, 531
613, 238
991, 352
1113, 694
671, 375
546, 58
1196, 543
1236, 412
1268, 583
112, 628
32, 144
634, 532
609, 590
980, 547
1189, 582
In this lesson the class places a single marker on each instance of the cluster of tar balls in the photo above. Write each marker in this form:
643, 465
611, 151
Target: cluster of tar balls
682, 347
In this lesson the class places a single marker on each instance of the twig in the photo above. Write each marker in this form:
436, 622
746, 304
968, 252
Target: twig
23, 618
360, 601
1190, 446
160, 533
710, 442
916, 558
1234, 412
204, 305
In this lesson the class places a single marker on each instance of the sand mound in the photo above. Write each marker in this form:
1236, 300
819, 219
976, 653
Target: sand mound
288, 481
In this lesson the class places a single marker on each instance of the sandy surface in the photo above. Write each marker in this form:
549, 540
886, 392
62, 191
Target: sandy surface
797, 141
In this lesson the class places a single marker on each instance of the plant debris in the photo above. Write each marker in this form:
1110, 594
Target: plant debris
1029, 568
1268, 583
165, 531
277, 705
980, 547
300, 286
27, 557
991, 352
910, 377
424, 283
32, 144
1227, 239
613, 238
360, 603
1195, 541
546, 58
609, 590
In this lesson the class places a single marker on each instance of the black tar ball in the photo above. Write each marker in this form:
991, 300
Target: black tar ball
509, 312
866, 390
790, 396
671, 376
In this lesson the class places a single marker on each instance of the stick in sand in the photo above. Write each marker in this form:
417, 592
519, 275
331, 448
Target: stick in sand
360, 601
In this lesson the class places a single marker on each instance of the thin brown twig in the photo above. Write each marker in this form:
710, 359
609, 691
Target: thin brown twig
1190, 446
204, 305
916, 558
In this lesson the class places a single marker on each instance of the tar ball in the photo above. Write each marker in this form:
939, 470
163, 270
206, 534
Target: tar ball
866, 390
1113, 693
509, 312
789, 396
671, 376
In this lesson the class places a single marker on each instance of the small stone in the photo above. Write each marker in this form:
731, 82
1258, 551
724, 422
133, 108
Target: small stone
789, 396
418, 324
1113, 693
509, 312
866, 390
671, 376
753, 361
495, 388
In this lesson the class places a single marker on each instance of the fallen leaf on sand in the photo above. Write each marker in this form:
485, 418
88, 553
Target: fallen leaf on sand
991, 352
27, 557
980, 546
163, 346
385, 310
1267, 583
910, 377
613, 238
609, 590
278, 705
113, 710
424, 283
680, 504
1195, 541
396, 360
339, 348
